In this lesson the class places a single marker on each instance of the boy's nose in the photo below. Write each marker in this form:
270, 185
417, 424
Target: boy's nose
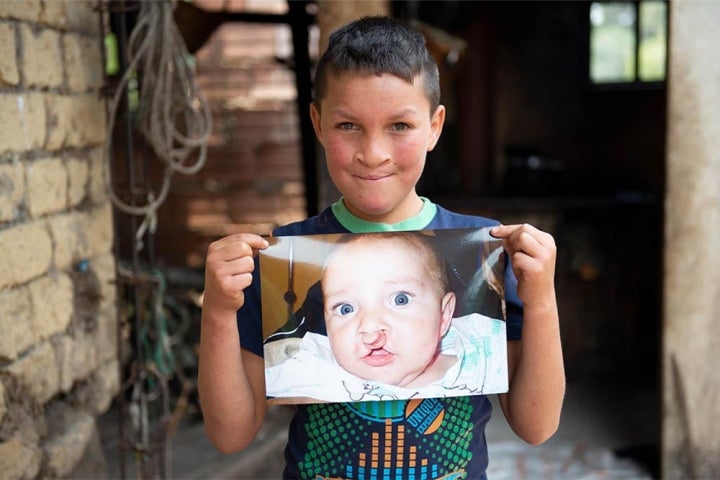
372, 153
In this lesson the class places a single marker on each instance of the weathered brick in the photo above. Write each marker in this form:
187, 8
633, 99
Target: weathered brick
98, 165
42, 57
15, 322
12, 189
84, 356
96, 395
75, 121
82, 16
58, 120
68, 240
76, 358
104, 267
88, 117
52, 304
106, 334
32, 115
38, 371
64, 346
47, 186
3, 408
9, 73
53, 14
78, 173
83, 62
70, 432
23, 122
27, 253
19, 460
20, 9
99, 229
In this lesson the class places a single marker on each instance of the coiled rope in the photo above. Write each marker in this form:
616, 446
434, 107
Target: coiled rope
168, 97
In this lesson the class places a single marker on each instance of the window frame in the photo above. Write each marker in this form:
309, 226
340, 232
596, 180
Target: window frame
637, 83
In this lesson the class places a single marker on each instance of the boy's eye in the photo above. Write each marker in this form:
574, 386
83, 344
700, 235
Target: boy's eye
344, 309
399, 127
401, 299
346, 126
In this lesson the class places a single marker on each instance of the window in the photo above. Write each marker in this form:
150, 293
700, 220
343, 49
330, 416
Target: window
628, 42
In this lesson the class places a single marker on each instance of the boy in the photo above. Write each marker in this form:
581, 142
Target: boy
376, 113
388, 311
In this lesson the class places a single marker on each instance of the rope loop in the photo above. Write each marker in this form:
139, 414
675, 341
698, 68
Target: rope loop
172, 114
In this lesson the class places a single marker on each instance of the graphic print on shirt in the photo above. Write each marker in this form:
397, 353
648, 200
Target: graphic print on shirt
422, 439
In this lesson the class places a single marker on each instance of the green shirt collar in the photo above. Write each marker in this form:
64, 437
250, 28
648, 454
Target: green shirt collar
358, 225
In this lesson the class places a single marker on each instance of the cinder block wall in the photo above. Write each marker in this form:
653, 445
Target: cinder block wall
58, 362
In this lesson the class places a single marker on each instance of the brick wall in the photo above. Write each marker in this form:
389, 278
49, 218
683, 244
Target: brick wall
252, 180
58, 365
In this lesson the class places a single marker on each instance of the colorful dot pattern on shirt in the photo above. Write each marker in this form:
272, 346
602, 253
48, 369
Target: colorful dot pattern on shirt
410, 440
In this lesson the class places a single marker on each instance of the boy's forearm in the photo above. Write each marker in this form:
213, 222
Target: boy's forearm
228, 384
537, 389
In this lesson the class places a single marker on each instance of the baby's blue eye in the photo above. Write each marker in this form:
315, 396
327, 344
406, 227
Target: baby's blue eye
344, 309
401, 299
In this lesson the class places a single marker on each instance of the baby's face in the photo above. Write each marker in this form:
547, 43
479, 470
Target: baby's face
383, 314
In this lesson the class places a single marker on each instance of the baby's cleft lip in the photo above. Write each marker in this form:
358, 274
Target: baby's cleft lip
378, 357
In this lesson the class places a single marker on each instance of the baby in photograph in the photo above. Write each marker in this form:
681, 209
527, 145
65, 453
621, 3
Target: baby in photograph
391, 334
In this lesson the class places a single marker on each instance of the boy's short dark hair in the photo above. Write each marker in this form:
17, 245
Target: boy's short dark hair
377, 45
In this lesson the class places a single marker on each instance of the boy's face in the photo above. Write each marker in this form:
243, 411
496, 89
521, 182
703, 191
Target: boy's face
376, 132
383, 313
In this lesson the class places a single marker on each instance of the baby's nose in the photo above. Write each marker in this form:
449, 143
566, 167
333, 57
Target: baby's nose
374, 339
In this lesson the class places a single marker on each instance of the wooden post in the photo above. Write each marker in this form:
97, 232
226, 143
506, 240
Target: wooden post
691, 333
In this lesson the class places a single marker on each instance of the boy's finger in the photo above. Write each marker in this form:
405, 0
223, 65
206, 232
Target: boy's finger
255, 242
504, 231
497, 231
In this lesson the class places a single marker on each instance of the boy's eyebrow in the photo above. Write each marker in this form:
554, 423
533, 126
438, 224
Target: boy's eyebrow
404, 112
339, 112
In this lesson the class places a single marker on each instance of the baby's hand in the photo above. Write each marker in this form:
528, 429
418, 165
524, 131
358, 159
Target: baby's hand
532, 254
228, 270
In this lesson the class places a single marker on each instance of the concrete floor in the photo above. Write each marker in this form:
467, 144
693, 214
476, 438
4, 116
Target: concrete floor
606, 432
599, 419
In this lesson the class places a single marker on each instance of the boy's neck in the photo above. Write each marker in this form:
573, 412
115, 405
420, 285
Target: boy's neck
357, 225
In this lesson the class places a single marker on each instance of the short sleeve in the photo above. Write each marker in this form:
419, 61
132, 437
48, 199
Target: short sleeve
513, 304
249, 317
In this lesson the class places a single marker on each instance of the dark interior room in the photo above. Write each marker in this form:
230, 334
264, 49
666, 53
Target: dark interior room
531, 136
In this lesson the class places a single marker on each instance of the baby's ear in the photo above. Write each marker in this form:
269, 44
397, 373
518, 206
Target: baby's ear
447, 308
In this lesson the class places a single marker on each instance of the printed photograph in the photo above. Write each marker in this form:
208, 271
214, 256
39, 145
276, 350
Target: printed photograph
383, 316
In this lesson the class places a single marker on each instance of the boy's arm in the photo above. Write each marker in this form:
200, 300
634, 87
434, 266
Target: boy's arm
534, 399
231, 381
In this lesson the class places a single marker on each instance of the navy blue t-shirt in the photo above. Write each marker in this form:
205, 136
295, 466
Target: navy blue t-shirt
401, 439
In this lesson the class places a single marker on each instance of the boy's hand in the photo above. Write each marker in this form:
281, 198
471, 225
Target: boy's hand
532, 254
228, 270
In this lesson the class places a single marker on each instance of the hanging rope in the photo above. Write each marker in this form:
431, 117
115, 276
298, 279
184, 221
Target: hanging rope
173, 115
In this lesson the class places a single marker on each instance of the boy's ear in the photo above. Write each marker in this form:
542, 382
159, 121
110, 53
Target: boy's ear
436, 125
447, 307
315, 118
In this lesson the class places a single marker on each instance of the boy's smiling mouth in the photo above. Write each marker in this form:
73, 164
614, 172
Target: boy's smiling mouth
373, 177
